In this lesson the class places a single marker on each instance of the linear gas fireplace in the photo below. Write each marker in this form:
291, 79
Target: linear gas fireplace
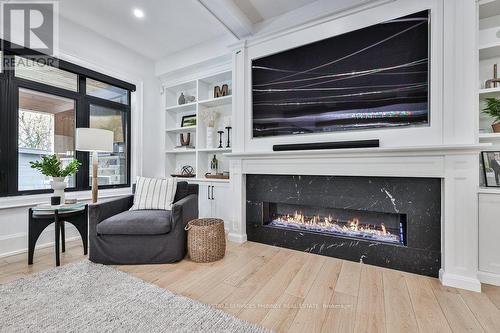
391, 222
356, 224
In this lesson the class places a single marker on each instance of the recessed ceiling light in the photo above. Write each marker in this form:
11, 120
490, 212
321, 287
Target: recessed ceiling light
138, 13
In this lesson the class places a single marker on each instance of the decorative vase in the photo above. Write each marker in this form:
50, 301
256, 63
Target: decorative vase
496, 127
210, 137
58, 185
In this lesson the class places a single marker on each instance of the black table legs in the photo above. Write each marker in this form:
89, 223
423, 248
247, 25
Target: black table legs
38, 223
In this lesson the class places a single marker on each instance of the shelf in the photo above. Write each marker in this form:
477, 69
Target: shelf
181, 129
490, 92
214, 150
489, 51
489, 136
209, 180
181, 151
183, 107
489, 190
219, 101
488, 8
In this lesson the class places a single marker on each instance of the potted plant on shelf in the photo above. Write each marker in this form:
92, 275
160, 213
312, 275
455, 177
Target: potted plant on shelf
51, 166
492, 109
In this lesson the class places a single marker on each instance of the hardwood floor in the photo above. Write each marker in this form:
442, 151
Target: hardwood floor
290, 291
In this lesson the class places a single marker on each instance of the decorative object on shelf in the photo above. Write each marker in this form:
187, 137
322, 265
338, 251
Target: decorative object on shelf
190, 98
55, 200
491, 168
493, 83
219, 176
94, 140
221, 91
185, 142
51, 166
188, 121
214, 165
187, 171
220, 139
228, 145
182, 99
206, 239
209, 117
492, 109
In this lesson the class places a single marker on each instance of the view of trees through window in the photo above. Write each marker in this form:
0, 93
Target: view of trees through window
36, 130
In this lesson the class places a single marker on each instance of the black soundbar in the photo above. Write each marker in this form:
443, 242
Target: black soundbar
329, 145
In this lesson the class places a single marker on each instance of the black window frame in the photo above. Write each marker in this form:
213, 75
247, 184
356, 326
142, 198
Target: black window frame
9, 99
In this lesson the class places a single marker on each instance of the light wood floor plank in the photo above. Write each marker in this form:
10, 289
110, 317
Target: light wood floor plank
483, 309
312, 315
370, 312
428, 313
268, 295
280, 318
398, 308
301, 284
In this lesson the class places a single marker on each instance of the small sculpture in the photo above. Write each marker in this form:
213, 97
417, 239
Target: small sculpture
493, 83
214, 165
182, 99
187, 141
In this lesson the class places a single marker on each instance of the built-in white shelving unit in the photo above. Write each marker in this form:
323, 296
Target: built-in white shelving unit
202, 90
489, 54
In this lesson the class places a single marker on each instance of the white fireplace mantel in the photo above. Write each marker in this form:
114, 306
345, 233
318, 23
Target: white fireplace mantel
456, 165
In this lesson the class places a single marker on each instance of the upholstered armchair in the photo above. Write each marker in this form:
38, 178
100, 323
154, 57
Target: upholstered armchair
120, 236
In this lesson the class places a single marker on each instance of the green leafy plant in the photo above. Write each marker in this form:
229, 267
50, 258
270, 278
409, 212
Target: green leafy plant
51, 166
492, 108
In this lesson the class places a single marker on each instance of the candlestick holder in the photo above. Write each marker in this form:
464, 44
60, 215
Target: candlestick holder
228, 137
220, 138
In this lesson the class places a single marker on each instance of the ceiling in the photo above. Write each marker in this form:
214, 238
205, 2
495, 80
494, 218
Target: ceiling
261, 10
171, 26
168, 26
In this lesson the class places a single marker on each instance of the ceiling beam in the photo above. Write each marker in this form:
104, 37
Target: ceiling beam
230, 16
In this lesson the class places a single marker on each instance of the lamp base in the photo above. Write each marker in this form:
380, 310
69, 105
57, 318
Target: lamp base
94, 177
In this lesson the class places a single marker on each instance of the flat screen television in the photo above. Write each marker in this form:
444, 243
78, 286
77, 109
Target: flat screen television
375, 77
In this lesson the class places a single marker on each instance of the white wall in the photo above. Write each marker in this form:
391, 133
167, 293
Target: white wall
88, 49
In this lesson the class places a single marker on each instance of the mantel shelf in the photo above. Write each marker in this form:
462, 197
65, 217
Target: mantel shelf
434, 150
486, 137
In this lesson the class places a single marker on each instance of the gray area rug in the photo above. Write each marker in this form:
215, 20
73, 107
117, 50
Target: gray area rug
88, 297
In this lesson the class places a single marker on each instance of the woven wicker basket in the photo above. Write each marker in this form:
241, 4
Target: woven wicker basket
206, 239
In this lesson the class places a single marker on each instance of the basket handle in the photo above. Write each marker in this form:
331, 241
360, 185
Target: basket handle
188, 226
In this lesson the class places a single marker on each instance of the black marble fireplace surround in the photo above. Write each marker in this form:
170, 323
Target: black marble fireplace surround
408, 207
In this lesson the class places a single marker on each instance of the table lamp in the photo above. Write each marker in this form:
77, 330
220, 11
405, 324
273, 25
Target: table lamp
96, 141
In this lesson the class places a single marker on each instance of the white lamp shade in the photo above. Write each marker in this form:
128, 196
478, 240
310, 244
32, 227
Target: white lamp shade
94, 139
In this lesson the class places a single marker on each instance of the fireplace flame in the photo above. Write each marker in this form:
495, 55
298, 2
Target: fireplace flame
352, 226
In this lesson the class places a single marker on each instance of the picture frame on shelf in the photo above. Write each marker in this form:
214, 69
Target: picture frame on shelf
189, 120
491, 168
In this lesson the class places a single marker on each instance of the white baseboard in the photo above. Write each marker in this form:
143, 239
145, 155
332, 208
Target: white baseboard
13, 244
237, 238
459, 281
489, 278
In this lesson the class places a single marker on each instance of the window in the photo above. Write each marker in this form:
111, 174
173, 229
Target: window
46, 126
40, 108
106, 91
112, 166
39, 72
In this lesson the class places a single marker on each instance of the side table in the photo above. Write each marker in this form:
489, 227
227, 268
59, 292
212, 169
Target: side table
39, 219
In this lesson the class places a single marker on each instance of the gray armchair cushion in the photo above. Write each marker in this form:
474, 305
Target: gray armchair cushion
137, 222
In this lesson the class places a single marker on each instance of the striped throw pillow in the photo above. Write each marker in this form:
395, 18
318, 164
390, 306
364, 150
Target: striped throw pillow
154, 193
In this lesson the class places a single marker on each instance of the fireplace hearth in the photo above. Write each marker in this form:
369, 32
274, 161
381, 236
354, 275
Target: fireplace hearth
392, 222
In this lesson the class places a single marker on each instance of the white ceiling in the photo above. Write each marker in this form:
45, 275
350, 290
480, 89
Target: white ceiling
171, 26
261, 10
168, 26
